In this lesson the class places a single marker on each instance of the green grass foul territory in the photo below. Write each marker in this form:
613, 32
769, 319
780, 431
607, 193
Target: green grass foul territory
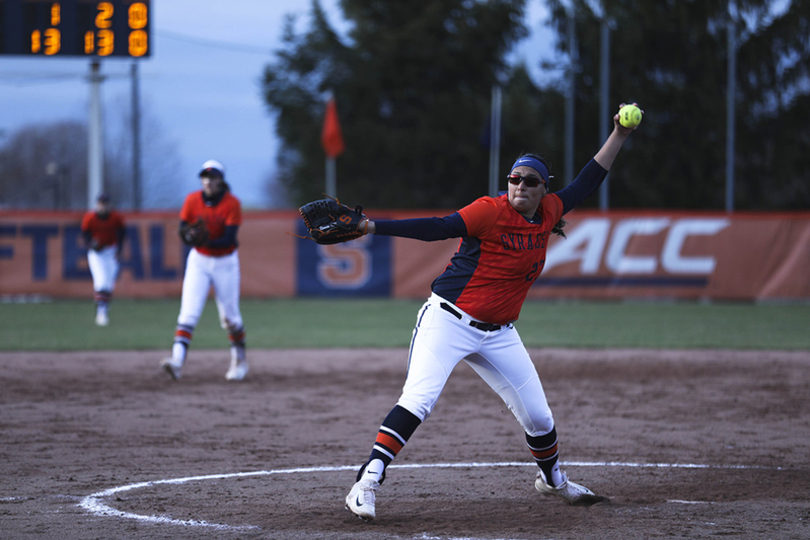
321, 323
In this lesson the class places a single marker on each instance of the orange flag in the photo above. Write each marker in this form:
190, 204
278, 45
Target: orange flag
331, 136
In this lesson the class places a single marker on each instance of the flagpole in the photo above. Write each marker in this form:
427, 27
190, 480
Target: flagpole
332, 142
495, 139
331, 180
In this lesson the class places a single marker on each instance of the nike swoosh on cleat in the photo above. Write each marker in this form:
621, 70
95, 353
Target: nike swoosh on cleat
357, 502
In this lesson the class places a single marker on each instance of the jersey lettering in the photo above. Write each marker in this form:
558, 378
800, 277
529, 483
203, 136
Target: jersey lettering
503, 251
524, 242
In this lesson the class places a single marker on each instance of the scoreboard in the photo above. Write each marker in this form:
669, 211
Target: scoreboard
91, 28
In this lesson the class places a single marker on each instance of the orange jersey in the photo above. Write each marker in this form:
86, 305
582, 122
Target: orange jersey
496, 264
227, 212
103, 230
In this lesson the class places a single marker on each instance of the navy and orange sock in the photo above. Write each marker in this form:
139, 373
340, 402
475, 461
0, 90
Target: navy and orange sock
546, 454
236, 337
182, 340
394, 432
183, 334
102, 298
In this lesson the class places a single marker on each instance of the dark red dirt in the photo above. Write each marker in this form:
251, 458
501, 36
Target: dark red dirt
76, 424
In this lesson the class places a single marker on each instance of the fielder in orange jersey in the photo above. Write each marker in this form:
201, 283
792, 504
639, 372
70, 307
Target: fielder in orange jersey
470, 314
213, 261
103, 232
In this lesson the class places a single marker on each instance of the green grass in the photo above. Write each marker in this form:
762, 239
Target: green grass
294, 323
666, 325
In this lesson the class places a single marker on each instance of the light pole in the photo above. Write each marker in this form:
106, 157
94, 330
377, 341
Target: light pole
95, 143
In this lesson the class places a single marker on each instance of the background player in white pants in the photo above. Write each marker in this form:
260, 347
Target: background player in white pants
470, 312
214, 263
103, 231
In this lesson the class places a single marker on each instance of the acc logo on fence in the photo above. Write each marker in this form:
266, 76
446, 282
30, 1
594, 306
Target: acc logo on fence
638, 246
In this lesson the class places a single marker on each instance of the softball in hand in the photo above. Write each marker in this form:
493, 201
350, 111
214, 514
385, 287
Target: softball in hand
630, 116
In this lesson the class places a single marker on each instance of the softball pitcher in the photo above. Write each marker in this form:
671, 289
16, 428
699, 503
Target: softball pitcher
209, 221
103, 232
470, 312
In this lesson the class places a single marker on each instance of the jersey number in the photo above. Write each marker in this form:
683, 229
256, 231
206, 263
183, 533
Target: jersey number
531, 276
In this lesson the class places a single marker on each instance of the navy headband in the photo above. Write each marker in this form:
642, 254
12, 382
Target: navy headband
534, 163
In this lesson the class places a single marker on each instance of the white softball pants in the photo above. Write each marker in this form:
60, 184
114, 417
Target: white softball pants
441, 340
202, 272
103, 267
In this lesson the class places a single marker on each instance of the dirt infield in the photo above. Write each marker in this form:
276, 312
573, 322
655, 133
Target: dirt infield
687, 444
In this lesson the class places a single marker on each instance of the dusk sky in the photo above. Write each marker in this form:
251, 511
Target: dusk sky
200, 86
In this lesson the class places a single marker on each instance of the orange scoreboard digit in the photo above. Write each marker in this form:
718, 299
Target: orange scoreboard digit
76, 28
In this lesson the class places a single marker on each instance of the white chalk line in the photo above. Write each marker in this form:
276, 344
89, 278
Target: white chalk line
93, 504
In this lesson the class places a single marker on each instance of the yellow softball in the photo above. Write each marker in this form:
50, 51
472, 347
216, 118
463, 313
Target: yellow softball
630, 116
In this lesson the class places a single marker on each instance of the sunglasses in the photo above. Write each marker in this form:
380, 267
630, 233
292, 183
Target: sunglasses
530, 181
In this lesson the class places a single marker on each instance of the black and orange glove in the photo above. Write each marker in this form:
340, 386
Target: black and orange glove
329, 222
194, 234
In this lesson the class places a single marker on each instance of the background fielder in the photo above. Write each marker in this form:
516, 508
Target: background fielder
209, 221
470, 312
103, 232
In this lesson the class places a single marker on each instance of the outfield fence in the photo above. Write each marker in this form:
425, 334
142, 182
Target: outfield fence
606, 255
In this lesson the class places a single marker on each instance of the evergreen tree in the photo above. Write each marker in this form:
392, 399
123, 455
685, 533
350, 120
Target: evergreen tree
413, 87
672, 58
413, 84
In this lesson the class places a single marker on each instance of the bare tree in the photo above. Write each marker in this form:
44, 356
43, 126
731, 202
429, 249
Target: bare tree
45, 166
161, 177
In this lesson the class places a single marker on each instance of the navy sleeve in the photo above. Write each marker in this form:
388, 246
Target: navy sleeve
120, 235
586, 182
428, 229
226, 240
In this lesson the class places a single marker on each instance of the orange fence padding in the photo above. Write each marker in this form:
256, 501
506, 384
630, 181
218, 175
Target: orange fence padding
607, 255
